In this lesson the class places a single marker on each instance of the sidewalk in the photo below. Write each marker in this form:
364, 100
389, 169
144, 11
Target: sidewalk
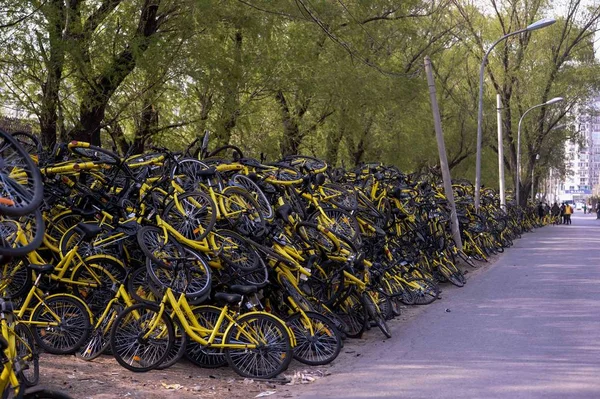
529, 327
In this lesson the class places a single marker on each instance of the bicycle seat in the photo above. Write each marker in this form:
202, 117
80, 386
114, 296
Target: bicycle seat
6, 306
89, 230
44, 268
244, 289
228, 298
284, 212
206, 172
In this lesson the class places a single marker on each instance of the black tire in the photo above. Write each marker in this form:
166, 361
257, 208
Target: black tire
203, 356
352, 311
73, 329
425, 291
198, 219
340, 222
317, 340
179, 346
247, 184
27, 355
99, 339
242, 211
104, 272
244, 265
375, 314
158, 248
15, 279
192, 276
33, 224
140, 287
274, 353
44, 393
129, 347
95, 153
21, 195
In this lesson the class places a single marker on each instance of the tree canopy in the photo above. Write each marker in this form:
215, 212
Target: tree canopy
342, 80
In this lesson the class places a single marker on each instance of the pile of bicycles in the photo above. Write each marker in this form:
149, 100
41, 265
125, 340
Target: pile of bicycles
224, 259
21, 195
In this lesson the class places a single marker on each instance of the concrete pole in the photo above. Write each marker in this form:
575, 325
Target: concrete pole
500, 151
442, 153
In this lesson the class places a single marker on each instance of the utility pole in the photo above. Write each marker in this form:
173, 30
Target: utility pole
442, 153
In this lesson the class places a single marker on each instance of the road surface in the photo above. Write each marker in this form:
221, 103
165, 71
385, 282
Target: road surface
528, 327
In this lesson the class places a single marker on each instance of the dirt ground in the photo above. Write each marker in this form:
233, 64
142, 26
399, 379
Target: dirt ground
103, 378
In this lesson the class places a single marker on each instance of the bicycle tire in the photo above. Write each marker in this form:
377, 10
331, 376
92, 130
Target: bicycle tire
242, 211
109, 272
375, 314
22, 196
29, 373
179, 346
99, 339
72, 331
199, 354
425, 291
319, 346
275, 345
8, 229
198, 219
129, 347
247, 184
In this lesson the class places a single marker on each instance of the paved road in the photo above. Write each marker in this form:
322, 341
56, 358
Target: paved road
528, 327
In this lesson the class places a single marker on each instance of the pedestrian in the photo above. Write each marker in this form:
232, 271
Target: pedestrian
541, 211
568, 212
584, 208
562, 213
598, 210
555, 213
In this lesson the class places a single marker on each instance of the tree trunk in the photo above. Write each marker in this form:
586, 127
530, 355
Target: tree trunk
292, 137
48, 115
96, 97
231, 103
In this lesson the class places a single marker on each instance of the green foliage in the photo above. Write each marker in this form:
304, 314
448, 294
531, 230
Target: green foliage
336, 79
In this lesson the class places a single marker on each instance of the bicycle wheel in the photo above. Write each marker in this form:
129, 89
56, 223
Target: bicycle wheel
27, 356
273, 353
247, 184
242, 211
192, 214
94, 153
243, 263
15, 279
102, 244
424, 291
161, 250
339, 221
72, 329
375, 313
21, 189
199, 354
99, 339
29, 142
352, 311
104, 273
21, 235
192, 275
317, 340
179, 346
190, 173
140, 287
339, 196
134, 345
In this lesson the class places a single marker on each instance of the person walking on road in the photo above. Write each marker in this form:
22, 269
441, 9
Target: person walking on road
584, 208
598, 210
555, 213
568, 213
562, 213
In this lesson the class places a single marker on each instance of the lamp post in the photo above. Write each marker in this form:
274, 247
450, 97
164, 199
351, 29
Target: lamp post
537, 157
534, 26
518, 168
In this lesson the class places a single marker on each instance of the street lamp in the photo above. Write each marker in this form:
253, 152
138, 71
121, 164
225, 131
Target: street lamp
518, 168
537, 158
534, 26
